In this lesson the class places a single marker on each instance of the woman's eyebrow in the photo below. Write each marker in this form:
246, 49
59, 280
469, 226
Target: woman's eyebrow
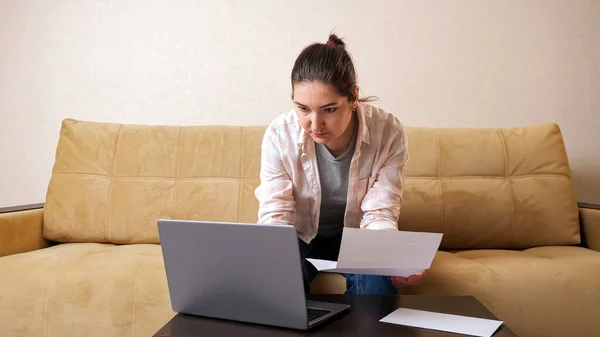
324, 106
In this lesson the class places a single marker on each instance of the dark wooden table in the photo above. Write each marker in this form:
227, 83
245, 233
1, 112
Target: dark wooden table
361, 320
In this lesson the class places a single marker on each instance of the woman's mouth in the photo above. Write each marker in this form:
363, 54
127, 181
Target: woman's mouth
319, 134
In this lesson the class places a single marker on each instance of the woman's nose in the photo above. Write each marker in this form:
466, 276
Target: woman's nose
316, 120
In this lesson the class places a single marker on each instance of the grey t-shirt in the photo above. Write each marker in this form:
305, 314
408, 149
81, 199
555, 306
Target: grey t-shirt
334, 175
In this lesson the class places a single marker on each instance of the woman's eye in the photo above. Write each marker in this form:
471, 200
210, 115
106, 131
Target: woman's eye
303, 109
330, 109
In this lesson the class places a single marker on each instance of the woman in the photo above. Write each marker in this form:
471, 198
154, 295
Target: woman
332, 162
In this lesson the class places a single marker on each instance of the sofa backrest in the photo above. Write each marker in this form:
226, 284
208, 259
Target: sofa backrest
490, 188
483, 188
111, 182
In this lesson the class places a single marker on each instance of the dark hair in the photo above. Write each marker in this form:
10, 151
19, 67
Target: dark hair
329, 63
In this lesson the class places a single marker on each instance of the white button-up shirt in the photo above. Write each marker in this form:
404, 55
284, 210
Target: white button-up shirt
290, 189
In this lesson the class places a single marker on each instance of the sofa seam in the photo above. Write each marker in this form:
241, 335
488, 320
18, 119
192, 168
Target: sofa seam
492, 297
439, 180
51, 278
53, 173
241, 181
110, 188
515, 177
135, 284
156, 178
488, 269
177, 173
511, 215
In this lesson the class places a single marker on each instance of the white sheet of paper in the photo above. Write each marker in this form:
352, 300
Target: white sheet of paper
382, 252
327, 266
443, 322
323, 265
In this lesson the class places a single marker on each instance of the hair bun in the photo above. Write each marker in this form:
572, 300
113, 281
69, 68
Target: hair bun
336, 41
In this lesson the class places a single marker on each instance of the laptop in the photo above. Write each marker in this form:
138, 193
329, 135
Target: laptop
240, 272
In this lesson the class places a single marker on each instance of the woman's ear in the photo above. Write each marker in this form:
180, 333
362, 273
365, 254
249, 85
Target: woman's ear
356, 92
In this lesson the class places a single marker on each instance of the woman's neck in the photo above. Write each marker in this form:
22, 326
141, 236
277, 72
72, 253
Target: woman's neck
343, 142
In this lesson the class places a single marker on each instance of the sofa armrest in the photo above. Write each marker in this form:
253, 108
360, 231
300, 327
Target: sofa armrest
589, 215
21, 229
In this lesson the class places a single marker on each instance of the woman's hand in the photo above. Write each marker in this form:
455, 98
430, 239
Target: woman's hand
412, 280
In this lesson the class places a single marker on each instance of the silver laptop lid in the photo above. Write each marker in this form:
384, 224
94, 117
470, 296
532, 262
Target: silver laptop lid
242, 272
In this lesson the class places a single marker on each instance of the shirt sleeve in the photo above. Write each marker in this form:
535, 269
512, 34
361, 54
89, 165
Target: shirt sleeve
381, 204
275, 192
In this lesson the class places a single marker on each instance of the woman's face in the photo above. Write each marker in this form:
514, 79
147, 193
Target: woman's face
323, 113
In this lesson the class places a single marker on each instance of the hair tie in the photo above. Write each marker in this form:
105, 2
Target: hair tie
330, 43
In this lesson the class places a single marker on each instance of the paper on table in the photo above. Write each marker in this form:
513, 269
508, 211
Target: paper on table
443, 322
380, 252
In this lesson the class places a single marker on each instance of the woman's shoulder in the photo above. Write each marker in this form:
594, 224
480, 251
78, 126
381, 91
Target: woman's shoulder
382, 119
284, 124
283, 119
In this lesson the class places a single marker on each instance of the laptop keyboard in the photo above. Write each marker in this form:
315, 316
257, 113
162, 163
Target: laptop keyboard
314, 313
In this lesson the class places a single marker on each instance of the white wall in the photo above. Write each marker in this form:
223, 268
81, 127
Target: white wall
433, 63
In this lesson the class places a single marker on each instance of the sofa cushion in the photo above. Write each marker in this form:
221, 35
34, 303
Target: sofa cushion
84, 289
122, 290
111, 182
538, 292
490, 188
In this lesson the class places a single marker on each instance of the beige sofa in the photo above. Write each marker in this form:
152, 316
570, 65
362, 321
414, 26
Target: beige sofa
88, 263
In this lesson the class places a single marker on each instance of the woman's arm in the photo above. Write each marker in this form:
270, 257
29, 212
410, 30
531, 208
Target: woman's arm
381, 204
274, 194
